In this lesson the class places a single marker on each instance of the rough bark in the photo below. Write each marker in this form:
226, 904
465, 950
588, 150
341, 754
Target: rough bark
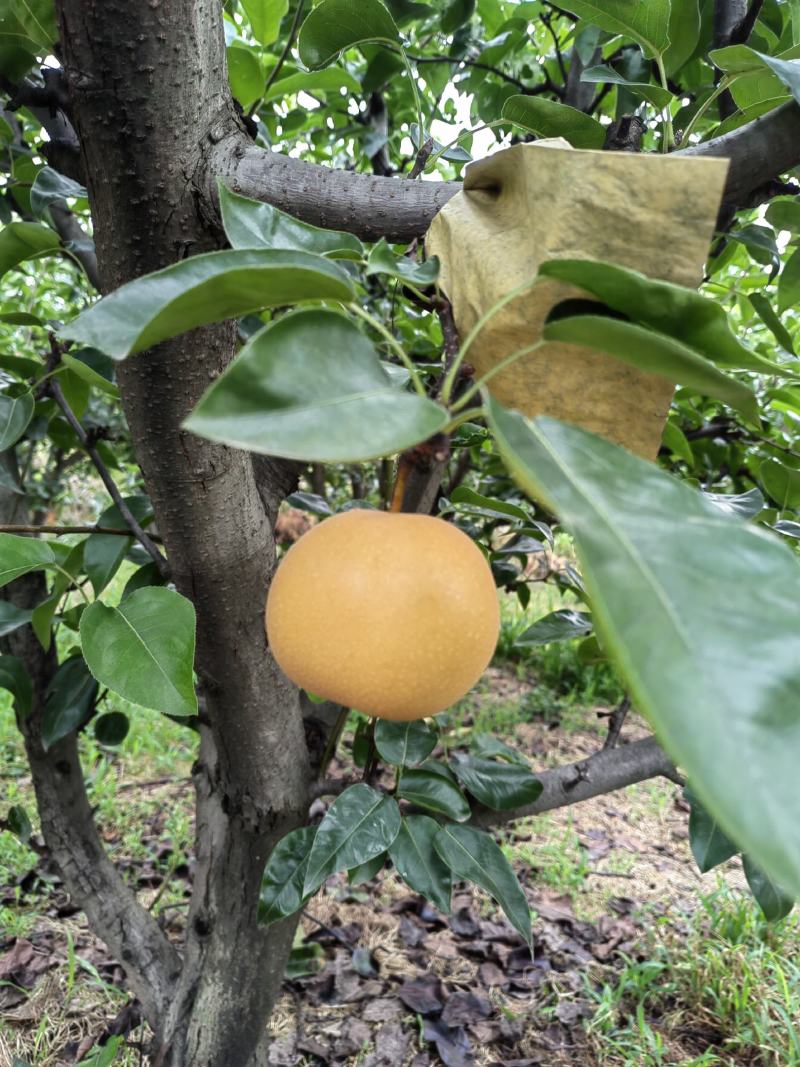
148, 97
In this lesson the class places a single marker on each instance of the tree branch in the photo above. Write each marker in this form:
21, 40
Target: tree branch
60, 531
605, 771
372, 206
78, 242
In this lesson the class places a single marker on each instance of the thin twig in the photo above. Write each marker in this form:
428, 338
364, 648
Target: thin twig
127, 515
615, 722
59, 531
273, 74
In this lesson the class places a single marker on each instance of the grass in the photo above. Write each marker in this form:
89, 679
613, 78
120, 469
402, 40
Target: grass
721, 987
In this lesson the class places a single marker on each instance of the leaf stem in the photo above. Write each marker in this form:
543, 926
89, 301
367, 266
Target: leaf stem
393, 343
721, 87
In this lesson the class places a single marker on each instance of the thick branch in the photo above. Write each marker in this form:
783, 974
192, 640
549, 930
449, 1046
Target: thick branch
77, 241
372, 206
605, 771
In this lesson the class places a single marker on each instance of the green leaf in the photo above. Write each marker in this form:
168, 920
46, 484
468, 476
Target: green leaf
19, 555
314, 82
382, 260
462, 494
282, 881
12, 617
309, 386
765, 311
500, 786
784, 213
548, 118
710, 844
365, 872
48, 186
789, 283
419, 864
404, 744
653, 94
15, 414
676, 441
456, 14
659, 559
14, 677
19, 823
428, 789
95, 368
684, 34
681, 313
38, 20
25, 240
200, 290
143, 649
335, 25
644, 21
69, 700
476, 857
252, 224
265, 17
740, 505
641, 347
245, 74
774, 902
360, 824
486, 746
782, 483
563, 625
103, 553
112, 728
146, 576
739, 59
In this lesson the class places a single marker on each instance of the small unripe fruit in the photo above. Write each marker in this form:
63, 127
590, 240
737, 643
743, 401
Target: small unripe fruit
394, 615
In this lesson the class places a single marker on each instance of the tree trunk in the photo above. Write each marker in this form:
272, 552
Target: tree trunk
149, 97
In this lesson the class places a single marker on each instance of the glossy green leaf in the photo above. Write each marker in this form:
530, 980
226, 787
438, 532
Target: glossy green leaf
21, 318
644, 21
683, 32
25, 240
774, 902
95, 368
739, 505
253, 224
245, 74
15, 414
562, 625
784, 213
653, 94
676, 441
782, 483
314, 82
656, 353
112, 728
69, 701
19, 555
789, 283
709, 843
19, 823
103, 553
740, 59
282, 881
659, 559
428, 789
365, 872
419, 864
14, 678
765, 311
12, 617
265, 17
674, 310
500, 786
548, 118
334, 25
382, 260
476, 857
38, 20
147, 575
143, 649
359, 825
309, 386
206, 288
487, 746
48, 186
462, 494
404, 744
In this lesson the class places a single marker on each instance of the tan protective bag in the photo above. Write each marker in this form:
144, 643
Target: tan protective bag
546, 200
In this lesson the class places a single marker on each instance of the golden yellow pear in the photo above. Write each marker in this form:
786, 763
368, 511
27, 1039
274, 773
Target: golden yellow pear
394, 615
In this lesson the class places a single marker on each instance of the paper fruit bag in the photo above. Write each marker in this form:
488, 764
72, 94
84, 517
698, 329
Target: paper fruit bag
532, 202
